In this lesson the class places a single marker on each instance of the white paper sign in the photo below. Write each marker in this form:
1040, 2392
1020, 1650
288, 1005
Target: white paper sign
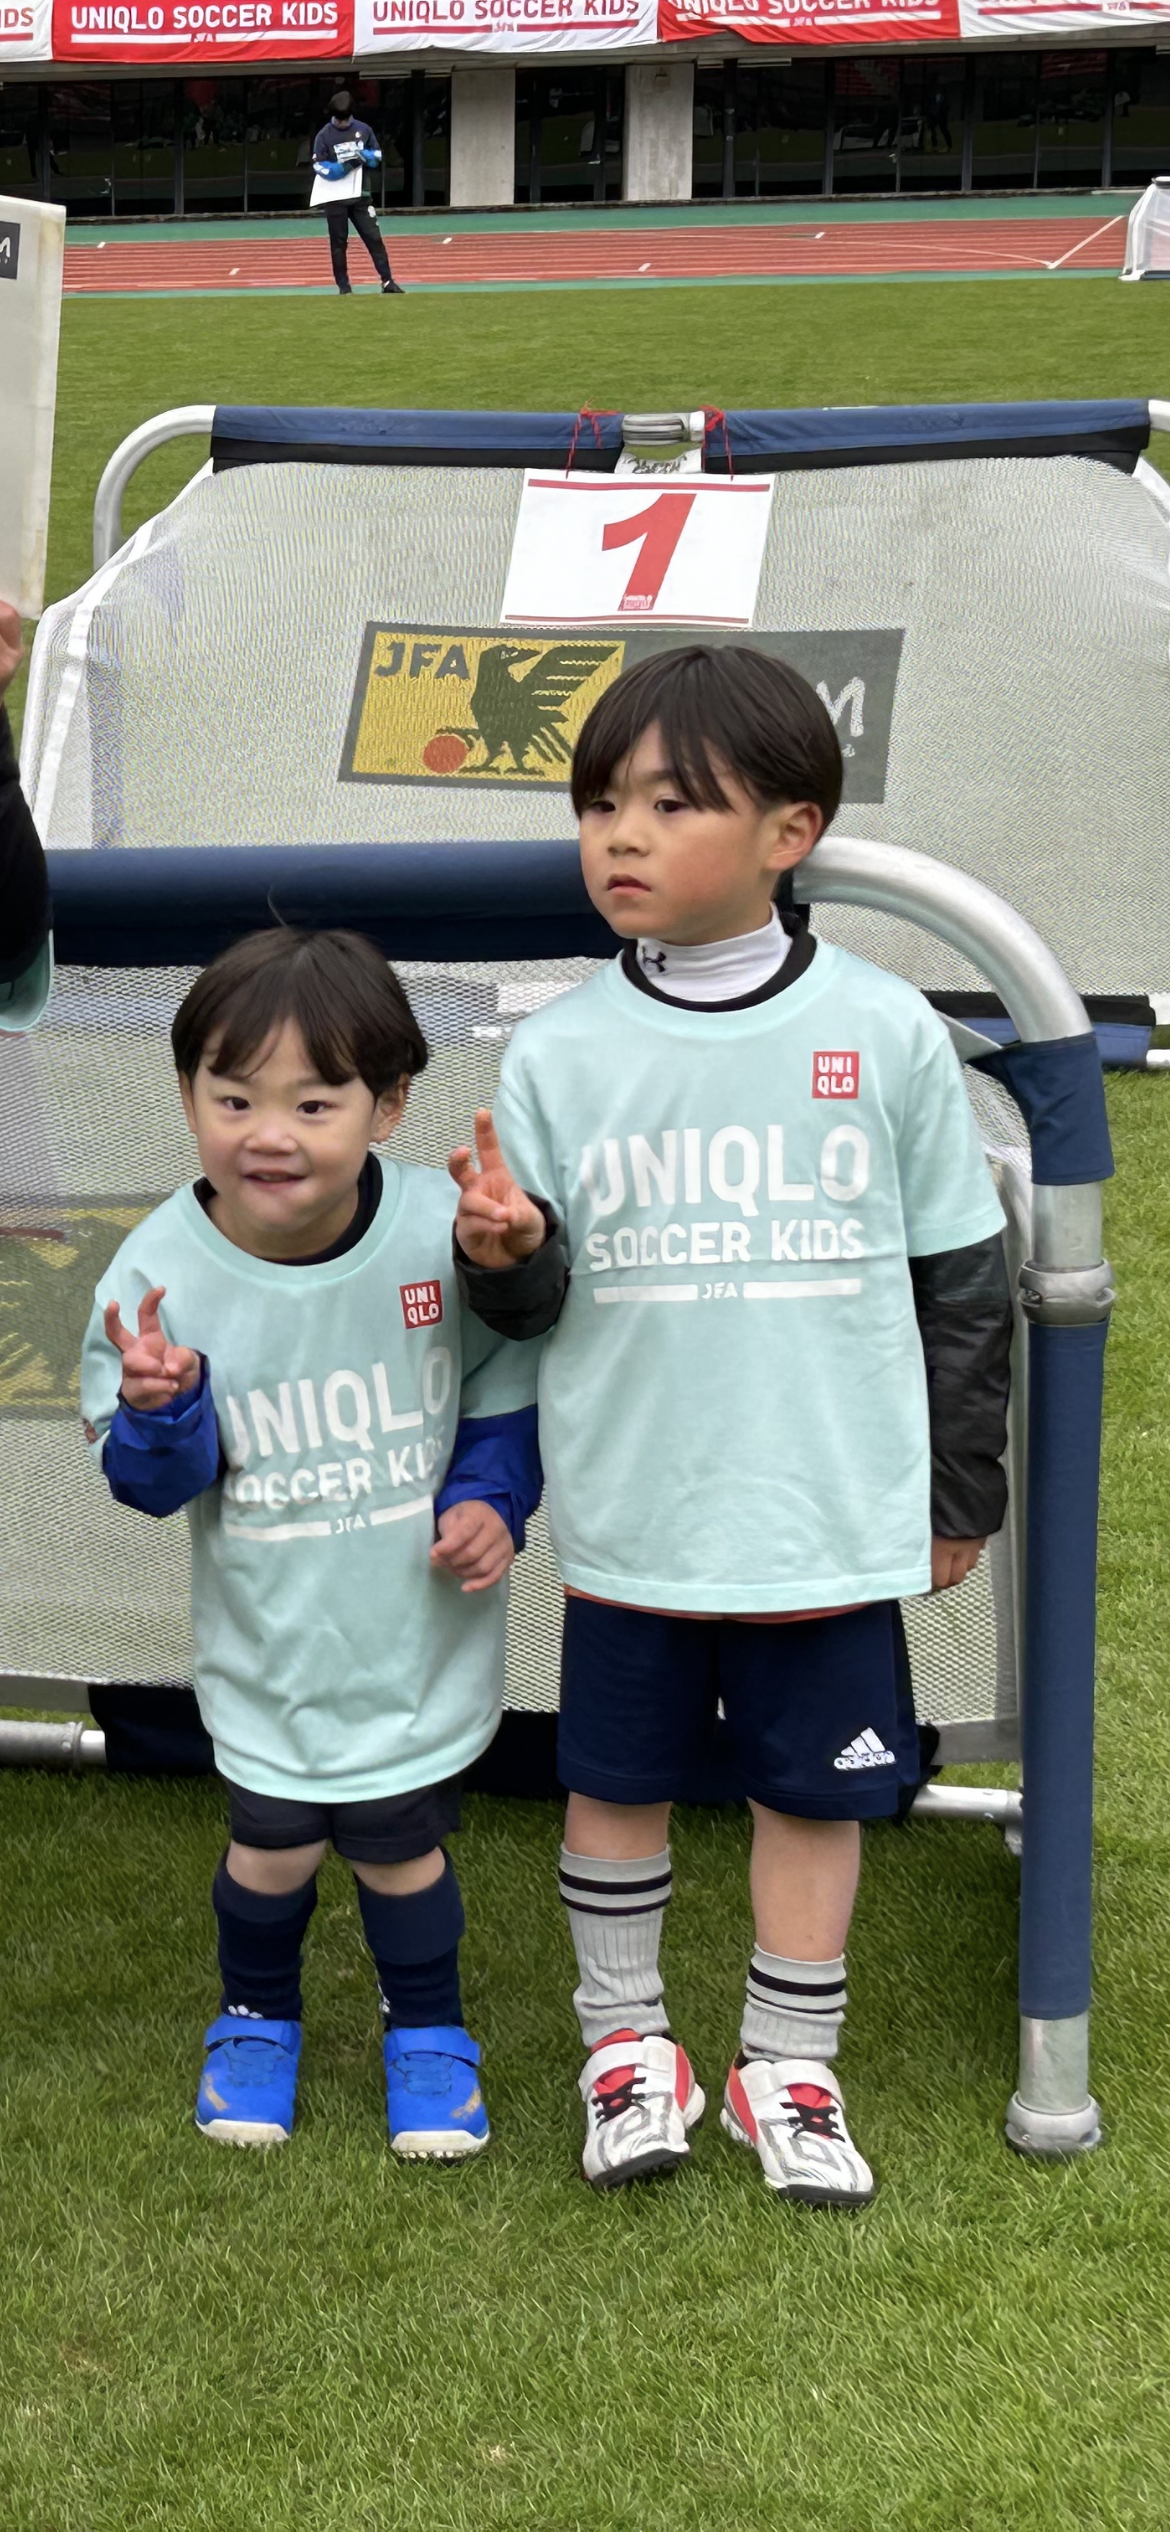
32, 250
598, 549
331, 189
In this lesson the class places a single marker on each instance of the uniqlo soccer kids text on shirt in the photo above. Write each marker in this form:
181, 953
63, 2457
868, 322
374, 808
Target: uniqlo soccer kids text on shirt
332, 1662
733, 1405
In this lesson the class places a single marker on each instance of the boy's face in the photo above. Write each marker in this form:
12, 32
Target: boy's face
282, 1149
654, 865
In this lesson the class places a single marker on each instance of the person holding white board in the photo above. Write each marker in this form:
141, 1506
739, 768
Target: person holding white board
343, 150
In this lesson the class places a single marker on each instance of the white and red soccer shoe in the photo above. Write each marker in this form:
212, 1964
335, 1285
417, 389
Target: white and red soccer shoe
790, 2110
640, 2099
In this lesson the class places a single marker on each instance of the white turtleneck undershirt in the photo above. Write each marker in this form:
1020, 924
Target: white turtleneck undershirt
715, 971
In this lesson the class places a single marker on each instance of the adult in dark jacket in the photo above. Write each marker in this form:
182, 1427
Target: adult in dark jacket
341, 145
25, 970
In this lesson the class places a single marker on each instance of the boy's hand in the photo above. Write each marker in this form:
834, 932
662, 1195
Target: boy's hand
496, 1223
474, 1545
951, 1560
9, 645
153, 1370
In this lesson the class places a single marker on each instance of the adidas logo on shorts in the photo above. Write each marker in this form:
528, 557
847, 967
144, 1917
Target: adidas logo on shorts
866, 1751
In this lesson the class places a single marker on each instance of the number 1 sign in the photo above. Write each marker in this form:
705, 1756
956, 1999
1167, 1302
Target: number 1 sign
598, 549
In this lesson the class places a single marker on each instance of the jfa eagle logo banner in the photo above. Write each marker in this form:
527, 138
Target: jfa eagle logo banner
25, 27
447, 704
200, 30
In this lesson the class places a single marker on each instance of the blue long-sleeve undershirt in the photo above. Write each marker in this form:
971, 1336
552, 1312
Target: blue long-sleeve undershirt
158, 1459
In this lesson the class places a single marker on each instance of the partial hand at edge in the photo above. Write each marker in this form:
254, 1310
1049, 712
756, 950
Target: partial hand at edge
474, 1545
951, 1560
10, 645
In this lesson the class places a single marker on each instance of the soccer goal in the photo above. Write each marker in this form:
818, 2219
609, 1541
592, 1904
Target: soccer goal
1147, 236
201, 761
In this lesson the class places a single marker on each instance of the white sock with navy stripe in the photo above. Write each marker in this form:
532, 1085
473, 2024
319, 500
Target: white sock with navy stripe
793, 2008
615, 1918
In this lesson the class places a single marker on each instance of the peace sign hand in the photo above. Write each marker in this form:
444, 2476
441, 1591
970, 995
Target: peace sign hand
153, 1370
496, 1222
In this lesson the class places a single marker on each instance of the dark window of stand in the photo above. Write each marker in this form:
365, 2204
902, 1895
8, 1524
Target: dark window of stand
435, 97
930, 149
214, 124
284, 116
20, 149
392, 123
80, 173
1141, 117
569, 134
865, 127
780, 129
1003, 141
142, 114
1073, 96
707, 160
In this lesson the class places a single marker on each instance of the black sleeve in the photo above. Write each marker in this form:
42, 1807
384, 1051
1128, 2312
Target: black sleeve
963, 1303
522, 1300
24, 880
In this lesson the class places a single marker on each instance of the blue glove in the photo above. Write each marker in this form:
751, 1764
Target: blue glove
330, 169
372, 157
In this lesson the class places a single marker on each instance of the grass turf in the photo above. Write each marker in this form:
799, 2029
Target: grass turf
318, 2341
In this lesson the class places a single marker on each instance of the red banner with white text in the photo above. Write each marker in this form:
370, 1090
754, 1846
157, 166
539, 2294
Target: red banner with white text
810, 21
125, 31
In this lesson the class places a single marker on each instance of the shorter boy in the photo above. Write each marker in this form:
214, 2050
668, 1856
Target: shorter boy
357, 1458
772, 1404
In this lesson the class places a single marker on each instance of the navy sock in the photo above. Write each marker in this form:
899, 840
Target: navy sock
260, 1938
415, 1943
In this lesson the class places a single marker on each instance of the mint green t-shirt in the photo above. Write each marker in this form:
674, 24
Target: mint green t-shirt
332, 1663
733, 1411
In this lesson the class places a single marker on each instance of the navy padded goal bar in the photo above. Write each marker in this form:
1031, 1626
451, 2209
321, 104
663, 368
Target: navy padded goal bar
1114, 432
176, 907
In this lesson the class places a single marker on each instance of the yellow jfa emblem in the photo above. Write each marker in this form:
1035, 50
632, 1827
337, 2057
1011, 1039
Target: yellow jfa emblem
435, 705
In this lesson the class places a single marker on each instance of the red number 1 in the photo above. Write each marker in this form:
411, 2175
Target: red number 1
657, 530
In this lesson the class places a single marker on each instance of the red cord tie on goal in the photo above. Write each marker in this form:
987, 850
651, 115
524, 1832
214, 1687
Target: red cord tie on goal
595, 415
714, 419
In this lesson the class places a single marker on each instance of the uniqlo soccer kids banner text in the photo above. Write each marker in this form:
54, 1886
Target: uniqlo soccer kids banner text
811, 21
25, 30
503, 26
201, 30
498, 711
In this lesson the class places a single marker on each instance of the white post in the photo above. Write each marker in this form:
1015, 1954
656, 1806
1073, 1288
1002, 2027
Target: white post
483, 138
660, 107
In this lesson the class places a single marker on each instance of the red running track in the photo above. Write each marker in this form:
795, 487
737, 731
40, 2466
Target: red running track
848, 248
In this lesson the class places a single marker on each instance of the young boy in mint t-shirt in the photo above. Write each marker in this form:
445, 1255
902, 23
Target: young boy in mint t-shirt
773, 1400
357, 1457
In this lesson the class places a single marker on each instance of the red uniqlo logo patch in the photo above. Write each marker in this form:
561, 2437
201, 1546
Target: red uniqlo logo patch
836, 1076
422, 1304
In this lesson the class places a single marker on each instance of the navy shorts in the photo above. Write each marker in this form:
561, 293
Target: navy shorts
818, 1714
391, 1831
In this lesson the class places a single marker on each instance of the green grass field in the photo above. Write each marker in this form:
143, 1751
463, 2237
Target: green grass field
313, 2341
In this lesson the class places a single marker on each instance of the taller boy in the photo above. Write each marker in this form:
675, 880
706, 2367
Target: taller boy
774, 1400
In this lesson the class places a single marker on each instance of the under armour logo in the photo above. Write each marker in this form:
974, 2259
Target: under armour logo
655, 959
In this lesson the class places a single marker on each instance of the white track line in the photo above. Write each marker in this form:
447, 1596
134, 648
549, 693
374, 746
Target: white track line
1082, 242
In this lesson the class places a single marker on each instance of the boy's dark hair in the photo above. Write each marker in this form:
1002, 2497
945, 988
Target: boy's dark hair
733, 706
347, 1003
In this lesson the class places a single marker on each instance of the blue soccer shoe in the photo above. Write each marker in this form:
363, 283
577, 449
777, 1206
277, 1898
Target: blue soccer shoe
433, 2100
248, 2088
